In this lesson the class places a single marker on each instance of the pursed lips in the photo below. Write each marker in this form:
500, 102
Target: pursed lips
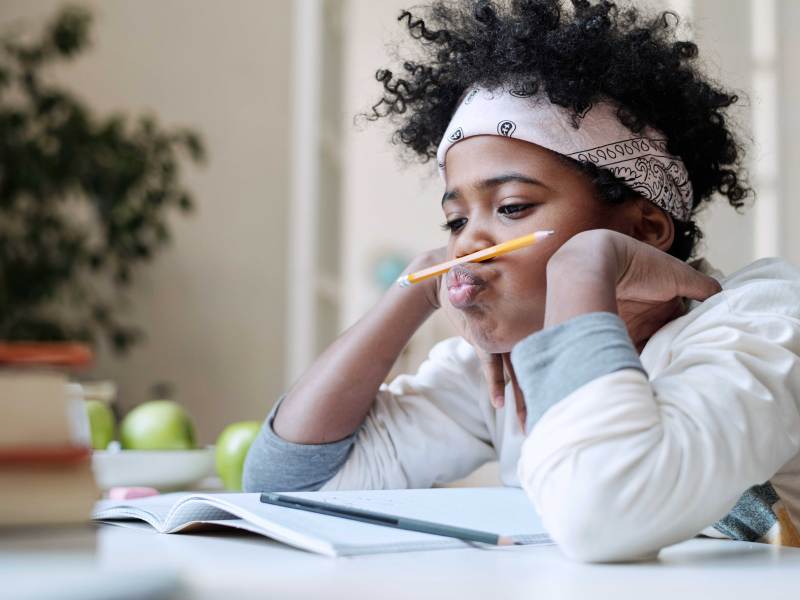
463, 286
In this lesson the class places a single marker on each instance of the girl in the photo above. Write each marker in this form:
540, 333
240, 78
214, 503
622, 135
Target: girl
649, 398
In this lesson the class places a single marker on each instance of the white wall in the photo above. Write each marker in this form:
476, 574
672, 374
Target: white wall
213, 304
789, 100
388, 206
725, 51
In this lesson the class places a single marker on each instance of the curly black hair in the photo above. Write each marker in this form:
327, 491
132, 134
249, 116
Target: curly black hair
574, 57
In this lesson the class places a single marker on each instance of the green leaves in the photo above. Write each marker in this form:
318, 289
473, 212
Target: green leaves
84, 199
68, 33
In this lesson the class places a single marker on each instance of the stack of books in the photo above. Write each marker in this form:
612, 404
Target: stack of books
45, 454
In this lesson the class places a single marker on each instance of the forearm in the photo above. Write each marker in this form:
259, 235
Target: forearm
579, 283
334, 396
616, 466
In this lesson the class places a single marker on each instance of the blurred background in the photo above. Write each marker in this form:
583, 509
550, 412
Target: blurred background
301, 215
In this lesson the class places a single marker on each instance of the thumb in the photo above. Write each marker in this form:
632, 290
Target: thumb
494, 374
697, 285
519, 397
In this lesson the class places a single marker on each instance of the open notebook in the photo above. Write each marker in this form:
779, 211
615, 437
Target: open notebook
506, 511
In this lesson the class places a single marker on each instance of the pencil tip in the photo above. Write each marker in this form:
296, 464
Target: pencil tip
403, 281
504, 540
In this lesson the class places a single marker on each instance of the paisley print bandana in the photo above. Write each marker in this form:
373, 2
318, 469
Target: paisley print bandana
596, 135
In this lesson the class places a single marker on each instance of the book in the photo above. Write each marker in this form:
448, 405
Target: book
38, 409
506, 511
45, 456
58, 354
46, 487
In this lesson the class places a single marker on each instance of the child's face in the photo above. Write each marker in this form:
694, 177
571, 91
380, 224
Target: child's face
492, 196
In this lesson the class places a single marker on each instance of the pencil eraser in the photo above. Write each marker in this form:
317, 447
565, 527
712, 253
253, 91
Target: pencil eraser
129, 493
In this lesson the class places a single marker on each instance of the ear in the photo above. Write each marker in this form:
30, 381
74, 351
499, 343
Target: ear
652, 225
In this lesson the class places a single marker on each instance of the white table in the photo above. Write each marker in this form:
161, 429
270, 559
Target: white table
229, 566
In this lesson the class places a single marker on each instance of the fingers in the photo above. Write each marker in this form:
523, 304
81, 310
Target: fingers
688, 281
519, 398
495, 377
697, 285
710, 286
652, 275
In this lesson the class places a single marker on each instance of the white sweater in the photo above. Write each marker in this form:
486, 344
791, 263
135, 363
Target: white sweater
629, 461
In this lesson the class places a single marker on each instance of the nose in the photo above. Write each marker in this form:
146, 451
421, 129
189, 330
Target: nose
472, 239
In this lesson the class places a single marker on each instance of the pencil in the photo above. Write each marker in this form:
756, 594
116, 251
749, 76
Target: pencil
480, 255
385, 520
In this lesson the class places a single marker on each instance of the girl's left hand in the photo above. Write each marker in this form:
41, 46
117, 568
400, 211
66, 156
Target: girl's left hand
604, 270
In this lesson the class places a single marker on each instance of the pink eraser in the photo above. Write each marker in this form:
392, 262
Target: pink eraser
129, 493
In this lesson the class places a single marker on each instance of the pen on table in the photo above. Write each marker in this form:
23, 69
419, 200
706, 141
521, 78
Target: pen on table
375, 518
480, 255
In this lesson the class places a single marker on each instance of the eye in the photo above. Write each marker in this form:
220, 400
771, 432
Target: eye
514, 210
454, 225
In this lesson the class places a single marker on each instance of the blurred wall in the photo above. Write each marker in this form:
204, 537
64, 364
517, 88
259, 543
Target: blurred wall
389, 206
213, 304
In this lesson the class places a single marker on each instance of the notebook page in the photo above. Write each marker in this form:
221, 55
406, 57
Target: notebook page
164, 512
501, 510
193, 510
153, 510
324, 534
506, 511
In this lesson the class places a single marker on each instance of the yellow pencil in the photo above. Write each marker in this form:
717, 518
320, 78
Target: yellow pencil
480, 255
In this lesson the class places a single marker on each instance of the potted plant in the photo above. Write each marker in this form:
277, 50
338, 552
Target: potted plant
84, 198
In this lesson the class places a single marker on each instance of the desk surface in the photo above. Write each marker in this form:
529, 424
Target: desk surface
71, 563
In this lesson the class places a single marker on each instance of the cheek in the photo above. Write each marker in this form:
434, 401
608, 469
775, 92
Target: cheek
575, 213
527, 268
515, 310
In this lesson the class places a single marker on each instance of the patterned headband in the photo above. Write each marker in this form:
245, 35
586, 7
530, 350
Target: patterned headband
640, 160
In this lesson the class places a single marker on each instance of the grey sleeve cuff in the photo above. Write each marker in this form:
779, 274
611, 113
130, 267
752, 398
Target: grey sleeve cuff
552, 363
276, 465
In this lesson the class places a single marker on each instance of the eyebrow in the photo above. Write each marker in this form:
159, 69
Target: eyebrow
493, 182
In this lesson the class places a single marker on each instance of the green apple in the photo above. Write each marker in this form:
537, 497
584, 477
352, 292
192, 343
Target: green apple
232, 446
101, 423
157, 425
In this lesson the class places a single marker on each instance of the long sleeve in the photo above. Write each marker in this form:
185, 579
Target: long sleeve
425, 428
620, 465
277, 465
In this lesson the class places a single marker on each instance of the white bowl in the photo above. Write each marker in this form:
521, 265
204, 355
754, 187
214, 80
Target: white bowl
162, 469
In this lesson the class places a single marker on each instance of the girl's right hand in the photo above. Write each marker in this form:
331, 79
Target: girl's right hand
432, 287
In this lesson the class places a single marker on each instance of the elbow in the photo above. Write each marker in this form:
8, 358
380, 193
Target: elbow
590, 524
251, 484
266, 469
597, 537
264, 473
255, 477
274, 465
